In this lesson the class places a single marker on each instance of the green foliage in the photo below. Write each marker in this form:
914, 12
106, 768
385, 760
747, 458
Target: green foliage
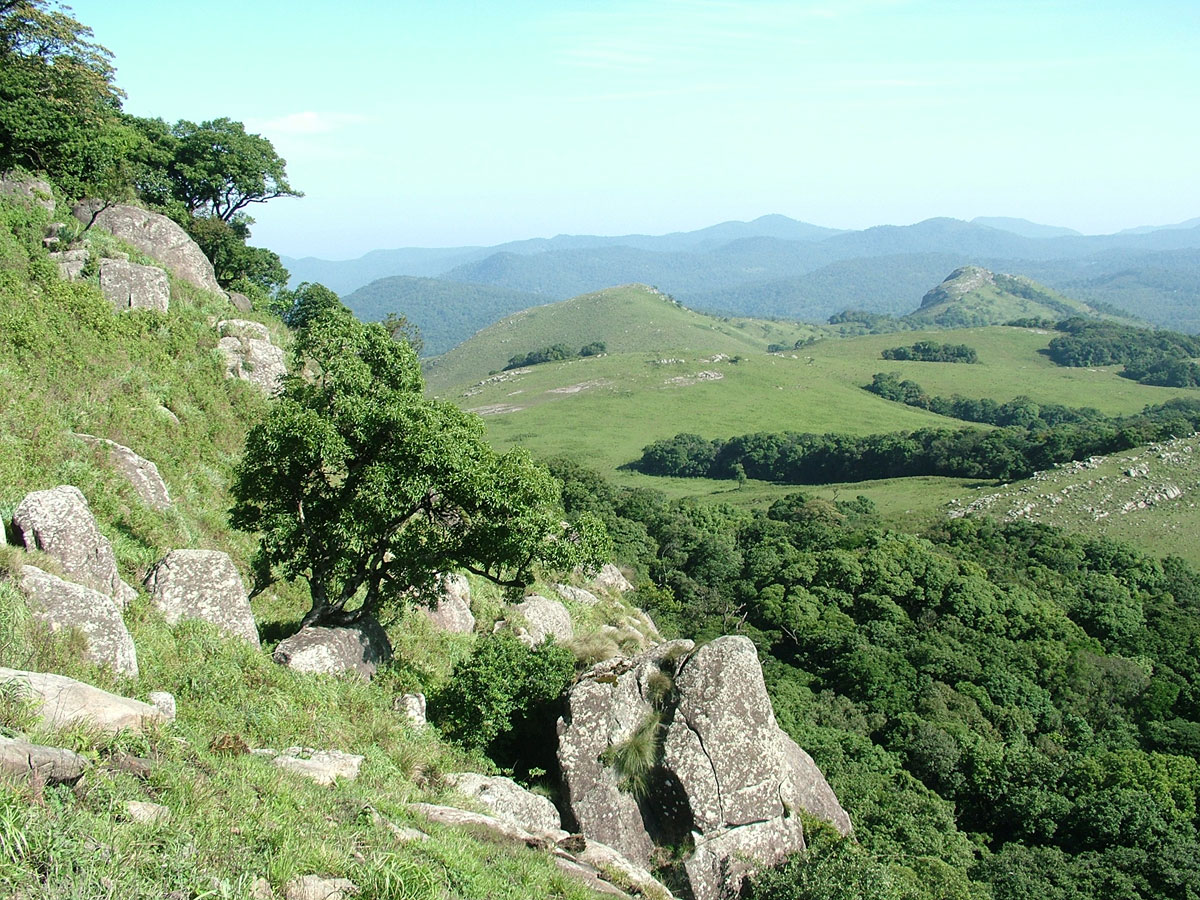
932, 351
224, 243
1091, 343
634, 758
554, 353
496, 695
366, 489
830, 868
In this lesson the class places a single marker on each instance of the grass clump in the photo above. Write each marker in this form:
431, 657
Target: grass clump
633, 759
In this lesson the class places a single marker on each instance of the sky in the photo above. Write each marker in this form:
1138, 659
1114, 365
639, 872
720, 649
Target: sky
453, 123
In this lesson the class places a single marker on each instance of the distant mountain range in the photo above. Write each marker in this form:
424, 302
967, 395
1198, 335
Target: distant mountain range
772, 266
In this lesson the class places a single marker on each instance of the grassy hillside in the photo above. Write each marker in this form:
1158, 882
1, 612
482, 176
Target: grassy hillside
975, 296
628, 319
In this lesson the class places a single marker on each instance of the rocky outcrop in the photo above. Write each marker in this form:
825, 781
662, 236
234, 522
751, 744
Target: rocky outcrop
139, 472
250, 355
358, 648
322, 766
452, 612
28, 188
70, 263
611, 578
202, 584
508, 800
64, 604
156, 236
414, 708
576, 595
64, 701
51, 765
128, 285
542, 618
722, 770
59, 523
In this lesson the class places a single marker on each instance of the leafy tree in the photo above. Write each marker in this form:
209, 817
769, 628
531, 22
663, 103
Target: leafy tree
367, 489
218, 169
234, 261
402, 328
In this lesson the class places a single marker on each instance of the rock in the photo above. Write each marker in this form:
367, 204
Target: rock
139, 472
145, 813
29, 188
508, 800
63, 604
64, 701
491, 826
59, 523
128, 285
240, 302
322, 766
611, 577
250, 355
543, 618
613, 864
156, 236
588, 875
164, 703
403, 834
413, 706
727, 775
53, 765
358, 648
70, 263
202, 584
260, 889
314, 887
453, 609
576, 595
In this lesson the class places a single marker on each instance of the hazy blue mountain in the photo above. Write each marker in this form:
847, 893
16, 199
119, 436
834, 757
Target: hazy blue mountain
447, 312
1023, 227
1146, 229
344, 275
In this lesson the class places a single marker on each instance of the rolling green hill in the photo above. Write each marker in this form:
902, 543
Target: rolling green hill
972, 295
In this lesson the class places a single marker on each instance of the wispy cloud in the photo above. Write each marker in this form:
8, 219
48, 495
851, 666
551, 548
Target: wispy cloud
308, 122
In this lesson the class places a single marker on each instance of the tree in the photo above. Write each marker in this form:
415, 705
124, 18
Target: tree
367, 489
218, 169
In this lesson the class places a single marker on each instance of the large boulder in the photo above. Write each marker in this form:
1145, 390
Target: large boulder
724, 772
543, 618
139, 472
612, 578
59, 523
358, 648
52, 765
452, 612
127, 285
202, 584
508, 800
64, 701
63, 604
28, 188
322, 766
250, 355
156, 236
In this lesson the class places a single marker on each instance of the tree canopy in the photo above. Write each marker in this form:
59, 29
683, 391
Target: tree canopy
367, 489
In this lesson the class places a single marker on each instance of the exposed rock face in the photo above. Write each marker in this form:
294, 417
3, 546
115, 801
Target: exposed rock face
358, 648
202, 584
453, 609
164, 702
59, 523
139, 472
128, 285
543, 618
413, 706
508, 800
957, 284
70, 263
314, 887
63, 604
64, 701
157, 237
240, 302
610, 577
21, 759
250, 355
322, 766
727, 774
33, 190
576, 595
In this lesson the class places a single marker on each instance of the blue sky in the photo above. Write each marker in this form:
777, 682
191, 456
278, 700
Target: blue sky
456, 123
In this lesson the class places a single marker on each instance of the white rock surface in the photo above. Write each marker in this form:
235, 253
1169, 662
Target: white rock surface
202, 584
64, 701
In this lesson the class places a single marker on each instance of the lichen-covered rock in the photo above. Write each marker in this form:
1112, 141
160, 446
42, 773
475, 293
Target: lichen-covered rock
64, 604
128, 285
543, 618
726, 774
202, 584
59, 523
53, 765
508, 800
315, 887
70, 263
358, 648
576, 595
29, 188
322, 766
610, 577
240, 302
64, 701
146, 813
156, 236
139, 472
413, 706
452, 612
164, 702
250, 355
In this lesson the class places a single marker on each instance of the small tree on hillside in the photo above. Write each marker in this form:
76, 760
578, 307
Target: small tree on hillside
367, 489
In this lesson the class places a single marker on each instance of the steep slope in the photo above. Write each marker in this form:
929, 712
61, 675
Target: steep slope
975, 296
